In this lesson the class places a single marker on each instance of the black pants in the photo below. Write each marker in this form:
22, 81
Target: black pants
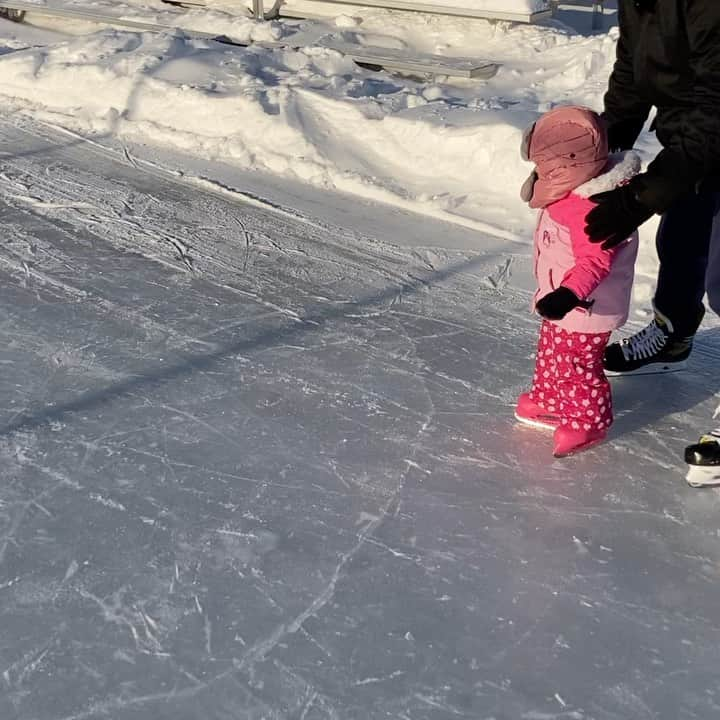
688, 245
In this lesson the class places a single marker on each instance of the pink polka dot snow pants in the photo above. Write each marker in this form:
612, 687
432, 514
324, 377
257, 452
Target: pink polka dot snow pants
569, 377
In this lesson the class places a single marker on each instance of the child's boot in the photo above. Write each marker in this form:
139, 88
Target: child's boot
527, 411
569, 440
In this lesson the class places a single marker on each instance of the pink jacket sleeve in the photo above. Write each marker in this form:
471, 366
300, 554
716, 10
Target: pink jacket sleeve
592, 263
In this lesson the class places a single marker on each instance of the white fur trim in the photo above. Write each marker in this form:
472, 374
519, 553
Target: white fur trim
623, 166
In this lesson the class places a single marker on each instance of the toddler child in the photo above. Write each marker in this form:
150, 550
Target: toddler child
583, 289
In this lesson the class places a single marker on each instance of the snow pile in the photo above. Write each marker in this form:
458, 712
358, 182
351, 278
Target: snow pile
310, 113
288, 106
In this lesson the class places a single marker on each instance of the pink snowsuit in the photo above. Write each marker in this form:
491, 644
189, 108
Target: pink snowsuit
569, 378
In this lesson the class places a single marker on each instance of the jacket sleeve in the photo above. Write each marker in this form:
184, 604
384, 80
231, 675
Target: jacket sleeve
692, 151
623, 103
592, 263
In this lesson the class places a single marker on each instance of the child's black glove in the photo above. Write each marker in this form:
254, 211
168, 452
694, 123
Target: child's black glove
557, 304
616, 216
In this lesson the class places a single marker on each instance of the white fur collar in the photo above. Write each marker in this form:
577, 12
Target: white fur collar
622, 167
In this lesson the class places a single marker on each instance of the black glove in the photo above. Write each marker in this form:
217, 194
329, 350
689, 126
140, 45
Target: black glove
617, 215
557, 304
623, 135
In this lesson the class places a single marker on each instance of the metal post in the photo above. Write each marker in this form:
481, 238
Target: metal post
597, 14
258, 10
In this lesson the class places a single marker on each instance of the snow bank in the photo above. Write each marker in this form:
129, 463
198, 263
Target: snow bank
312, 114
443, 147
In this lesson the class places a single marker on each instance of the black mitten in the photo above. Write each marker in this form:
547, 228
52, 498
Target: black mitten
624, 134
557, 304
616, 216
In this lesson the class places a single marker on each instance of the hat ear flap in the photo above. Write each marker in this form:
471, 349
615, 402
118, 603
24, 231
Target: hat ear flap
526, 140
528, 189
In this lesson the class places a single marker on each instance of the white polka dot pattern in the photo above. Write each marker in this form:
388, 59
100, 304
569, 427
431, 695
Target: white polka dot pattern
571, 381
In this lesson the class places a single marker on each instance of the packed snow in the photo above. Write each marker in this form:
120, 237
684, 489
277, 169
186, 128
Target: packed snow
442, 146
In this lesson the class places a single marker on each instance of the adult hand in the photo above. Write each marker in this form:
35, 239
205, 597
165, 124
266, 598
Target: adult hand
623, 135
616, 216
557, 304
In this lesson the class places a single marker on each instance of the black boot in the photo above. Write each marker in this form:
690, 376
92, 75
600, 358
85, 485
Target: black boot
703, 459
654, 349
706, 451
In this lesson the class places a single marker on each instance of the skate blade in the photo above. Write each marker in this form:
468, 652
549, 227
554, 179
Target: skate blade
699, 476
652, 369
539, 424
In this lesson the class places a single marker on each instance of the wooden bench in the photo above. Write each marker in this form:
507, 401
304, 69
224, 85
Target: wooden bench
59, 10
373, 57
597, 7
422, 63
283, 10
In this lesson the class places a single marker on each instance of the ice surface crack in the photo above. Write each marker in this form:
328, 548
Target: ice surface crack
260, 650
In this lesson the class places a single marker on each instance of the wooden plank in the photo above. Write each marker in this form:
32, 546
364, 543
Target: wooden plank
59, 10
422, 63
92, 16
596, 7
382, 57
288, 11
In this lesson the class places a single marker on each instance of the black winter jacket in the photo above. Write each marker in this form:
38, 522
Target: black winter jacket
668, 56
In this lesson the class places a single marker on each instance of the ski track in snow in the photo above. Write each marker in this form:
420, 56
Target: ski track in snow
257, 464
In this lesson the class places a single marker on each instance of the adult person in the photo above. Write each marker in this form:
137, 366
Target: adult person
668, 56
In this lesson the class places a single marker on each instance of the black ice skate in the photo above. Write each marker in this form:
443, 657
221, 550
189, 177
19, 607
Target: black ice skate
704, 460
655, 349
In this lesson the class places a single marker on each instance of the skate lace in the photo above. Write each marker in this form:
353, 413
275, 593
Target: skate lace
648, 342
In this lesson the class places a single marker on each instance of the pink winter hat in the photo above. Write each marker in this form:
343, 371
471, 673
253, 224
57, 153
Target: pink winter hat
569, 146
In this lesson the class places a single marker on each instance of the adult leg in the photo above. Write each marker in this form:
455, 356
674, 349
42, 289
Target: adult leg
703, 457
683, 247
712, 277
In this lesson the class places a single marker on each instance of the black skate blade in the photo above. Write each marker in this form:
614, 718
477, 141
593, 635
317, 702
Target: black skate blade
650, 369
